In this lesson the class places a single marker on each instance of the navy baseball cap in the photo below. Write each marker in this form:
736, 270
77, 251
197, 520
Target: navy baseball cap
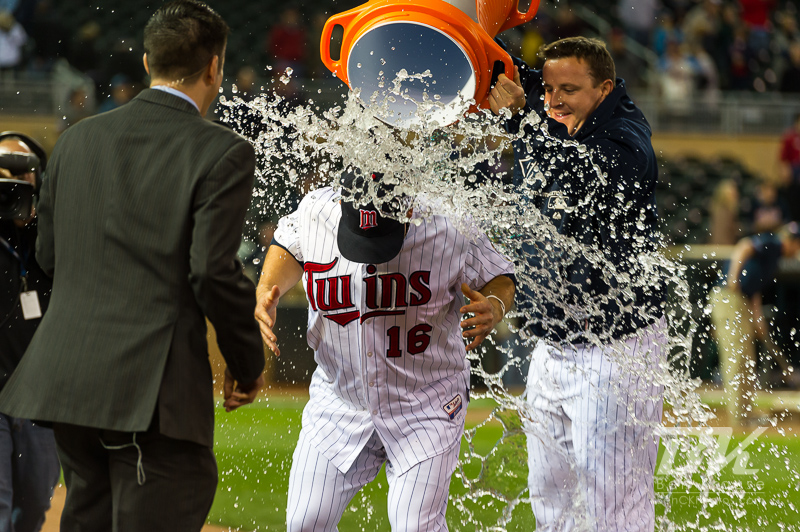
365, 234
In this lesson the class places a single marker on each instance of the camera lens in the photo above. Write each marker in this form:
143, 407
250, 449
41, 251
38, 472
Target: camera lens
16, 199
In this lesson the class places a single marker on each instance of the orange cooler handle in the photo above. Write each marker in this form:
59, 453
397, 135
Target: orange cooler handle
516, 18
342, 19
495, 53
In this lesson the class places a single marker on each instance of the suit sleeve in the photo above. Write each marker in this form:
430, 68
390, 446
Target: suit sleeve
224, 294
45, 248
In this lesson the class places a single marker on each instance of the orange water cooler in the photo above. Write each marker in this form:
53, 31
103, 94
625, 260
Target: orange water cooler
445, 47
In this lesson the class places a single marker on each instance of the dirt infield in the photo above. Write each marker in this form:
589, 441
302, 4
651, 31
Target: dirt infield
57, 504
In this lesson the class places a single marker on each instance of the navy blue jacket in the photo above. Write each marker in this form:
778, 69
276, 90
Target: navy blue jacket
15, 331
759, 271
574, 298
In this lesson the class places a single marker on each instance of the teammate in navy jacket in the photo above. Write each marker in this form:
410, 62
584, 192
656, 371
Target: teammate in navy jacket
597, 315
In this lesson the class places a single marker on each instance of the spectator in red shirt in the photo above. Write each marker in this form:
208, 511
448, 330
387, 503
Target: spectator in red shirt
789, 160
757, 14
286, 43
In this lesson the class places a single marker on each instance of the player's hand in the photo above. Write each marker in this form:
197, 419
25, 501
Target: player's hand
265, 316
507, 93
238, 395
485, 316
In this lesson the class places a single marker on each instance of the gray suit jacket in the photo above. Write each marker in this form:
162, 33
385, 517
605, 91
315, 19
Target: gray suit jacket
140, 218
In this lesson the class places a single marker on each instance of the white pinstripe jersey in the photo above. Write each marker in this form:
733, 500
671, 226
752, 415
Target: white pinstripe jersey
386, 337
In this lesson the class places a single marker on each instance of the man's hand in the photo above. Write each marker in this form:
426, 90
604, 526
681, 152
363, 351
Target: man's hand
238, 395
265, 316
486, 313
507, 94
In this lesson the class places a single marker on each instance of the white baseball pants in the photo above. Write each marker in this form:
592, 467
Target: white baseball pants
590, 426
319, 493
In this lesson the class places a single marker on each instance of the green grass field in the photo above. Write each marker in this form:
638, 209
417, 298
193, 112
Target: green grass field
254, 448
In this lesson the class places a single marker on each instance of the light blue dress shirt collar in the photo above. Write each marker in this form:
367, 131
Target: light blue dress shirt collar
177, 93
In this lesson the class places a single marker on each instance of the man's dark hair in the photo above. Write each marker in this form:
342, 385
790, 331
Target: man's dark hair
182, 37
592, 51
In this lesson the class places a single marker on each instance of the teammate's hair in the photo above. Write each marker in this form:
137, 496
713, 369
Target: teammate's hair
592, 51
182, 37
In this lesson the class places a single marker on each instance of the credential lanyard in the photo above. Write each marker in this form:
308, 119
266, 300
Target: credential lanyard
23, 272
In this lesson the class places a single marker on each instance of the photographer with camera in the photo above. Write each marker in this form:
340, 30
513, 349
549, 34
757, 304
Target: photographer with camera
29, 467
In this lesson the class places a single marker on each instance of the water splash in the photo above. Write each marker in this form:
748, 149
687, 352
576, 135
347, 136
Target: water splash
301, 146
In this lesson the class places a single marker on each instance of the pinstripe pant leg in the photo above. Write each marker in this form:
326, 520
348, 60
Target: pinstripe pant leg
319, 493
418, 498
551, 473
613, 428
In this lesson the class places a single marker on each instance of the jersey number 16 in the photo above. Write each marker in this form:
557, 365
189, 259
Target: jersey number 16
417, 341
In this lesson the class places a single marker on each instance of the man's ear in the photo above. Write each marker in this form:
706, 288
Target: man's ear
607, 87
146, 66
213, 70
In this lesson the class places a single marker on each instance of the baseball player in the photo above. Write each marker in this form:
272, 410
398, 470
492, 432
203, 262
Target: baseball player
737, 317
593, 387
392, 381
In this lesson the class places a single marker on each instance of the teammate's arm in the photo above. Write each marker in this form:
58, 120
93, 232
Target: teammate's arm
487, 311
741, 253
280, 273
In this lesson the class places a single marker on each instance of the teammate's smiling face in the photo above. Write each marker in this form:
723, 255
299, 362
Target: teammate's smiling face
571, 93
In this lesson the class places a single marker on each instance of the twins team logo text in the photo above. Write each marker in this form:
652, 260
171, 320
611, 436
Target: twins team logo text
388, 294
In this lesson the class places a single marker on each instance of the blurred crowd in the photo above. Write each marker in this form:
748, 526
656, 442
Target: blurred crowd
685, 50
736, 210
36, 44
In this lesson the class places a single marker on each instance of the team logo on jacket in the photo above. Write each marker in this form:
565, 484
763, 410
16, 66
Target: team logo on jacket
558, 201
369, 219
454, 406
531, 174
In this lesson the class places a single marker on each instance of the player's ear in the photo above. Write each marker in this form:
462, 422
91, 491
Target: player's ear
606, 87
146, 66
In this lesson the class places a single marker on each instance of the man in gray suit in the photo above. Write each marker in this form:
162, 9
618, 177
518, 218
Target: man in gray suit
140, 217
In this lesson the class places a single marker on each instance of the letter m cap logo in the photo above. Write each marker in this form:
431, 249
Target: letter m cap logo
369, 219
